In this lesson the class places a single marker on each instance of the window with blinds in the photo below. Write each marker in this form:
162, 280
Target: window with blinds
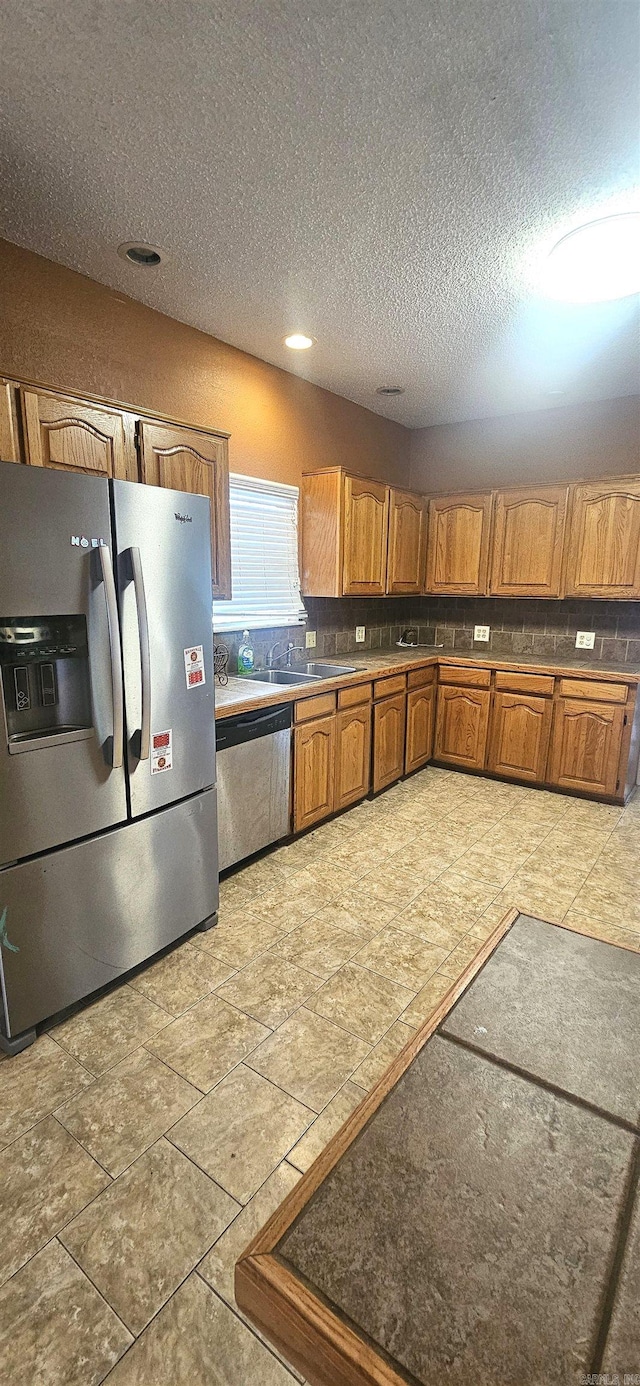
265, 579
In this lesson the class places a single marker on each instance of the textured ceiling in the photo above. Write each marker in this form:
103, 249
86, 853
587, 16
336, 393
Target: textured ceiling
380, 175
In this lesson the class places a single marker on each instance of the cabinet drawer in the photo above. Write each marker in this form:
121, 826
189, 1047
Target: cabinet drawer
385, 688
593, 691
417, 678
320, 706
524, 683
353, 697
466, 678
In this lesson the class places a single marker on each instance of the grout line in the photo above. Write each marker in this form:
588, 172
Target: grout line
622, 1123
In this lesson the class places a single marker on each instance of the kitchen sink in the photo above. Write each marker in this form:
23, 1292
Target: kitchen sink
281, 676
328, 671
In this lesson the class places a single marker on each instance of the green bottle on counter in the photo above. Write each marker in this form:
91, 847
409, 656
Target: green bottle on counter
245, 655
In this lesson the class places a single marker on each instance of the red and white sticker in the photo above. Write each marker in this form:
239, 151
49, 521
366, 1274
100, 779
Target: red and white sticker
194, 666
161, 752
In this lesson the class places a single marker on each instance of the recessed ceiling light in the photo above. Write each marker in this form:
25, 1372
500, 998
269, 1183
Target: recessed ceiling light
390, 390
138, 253
298, 342
596, 262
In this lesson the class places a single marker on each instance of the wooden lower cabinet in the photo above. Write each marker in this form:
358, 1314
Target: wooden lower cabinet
353, 755
421, 706
586, 746
519, 737
389, 719
313, 772
461, 726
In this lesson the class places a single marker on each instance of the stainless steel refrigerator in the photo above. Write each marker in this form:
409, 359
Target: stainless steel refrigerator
108, 839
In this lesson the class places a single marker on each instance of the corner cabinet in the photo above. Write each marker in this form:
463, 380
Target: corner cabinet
407, 552
73, 435
184, 459
604, 545
421, 710
528, 538
458, 544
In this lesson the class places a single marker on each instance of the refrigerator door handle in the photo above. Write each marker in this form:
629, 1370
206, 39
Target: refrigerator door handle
144, 735
117, 696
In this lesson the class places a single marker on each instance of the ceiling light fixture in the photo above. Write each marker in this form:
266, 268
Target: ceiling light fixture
298, 342
596, 262
390, 390
138, 253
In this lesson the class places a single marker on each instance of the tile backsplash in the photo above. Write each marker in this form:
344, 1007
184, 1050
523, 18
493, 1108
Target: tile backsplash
517, 627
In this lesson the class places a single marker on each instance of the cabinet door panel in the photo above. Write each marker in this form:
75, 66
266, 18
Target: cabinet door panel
527, 542
421, 704
407, 542
353, 755
458, 546
184, 459
388, 740
73, 436
586, 745
520, 730
461, 726
366, 514
313, 772
604, 549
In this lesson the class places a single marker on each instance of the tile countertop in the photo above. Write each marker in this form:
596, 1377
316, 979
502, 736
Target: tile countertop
244, 695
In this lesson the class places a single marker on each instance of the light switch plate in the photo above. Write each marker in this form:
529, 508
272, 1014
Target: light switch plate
360, 635
585, 639
310, 640
481, 632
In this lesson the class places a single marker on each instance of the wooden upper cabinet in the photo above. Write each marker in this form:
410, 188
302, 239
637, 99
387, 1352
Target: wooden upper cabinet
9, 444
77, 436
458, 546
528, 537
407, 541
604, 542
184, 459
366, 518
586, 746
344, 534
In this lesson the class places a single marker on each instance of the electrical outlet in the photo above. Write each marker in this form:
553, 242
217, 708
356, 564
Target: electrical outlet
585, 639
481, 632
360, 635
310, 640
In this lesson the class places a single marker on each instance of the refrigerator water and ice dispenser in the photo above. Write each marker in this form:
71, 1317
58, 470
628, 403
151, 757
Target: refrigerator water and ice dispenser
44, 664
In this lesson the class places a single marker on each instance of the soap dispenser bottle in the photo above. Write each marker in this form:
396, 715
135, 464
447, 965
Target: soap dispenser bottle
245, 655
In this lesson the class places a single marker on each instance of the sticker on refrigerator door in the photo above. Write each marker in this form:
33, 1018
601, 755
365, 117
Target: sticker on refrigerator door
194, 666
161, 752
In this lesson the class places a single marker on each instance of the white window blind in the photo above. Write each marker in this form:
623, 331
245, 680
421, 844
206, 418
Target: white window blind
265, 579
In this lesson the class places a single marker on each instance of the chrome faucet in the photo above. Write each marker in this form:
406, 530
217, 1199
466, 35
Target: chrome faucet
271, 658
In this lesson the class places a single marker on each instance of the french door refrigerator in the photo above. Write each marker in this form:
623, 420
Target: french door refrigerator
108, 835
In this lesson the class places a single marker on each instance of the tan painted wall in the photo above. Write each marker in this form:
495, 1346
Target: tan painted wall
588, 440
61, 329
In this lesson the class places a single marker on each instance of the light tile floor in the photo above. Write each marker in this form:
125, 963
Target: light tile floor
148, 1137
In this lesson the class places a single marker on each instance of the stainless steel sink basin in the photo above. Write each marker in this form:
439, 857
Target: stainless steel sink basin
281, 676
328, 671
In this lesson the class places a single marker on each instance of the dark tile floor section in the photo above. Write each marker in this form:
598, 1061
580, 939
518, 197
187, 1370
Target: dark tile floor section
622, 1350
470, 1228
565, 1008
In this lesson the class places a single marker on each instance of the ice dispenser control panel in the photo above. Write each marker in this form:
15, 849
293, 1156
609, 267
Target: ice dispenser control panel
44, 662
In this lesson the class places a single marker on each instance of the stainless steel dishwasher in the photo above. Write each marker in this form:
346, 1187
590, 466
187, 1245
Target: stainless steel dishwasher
253, 763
